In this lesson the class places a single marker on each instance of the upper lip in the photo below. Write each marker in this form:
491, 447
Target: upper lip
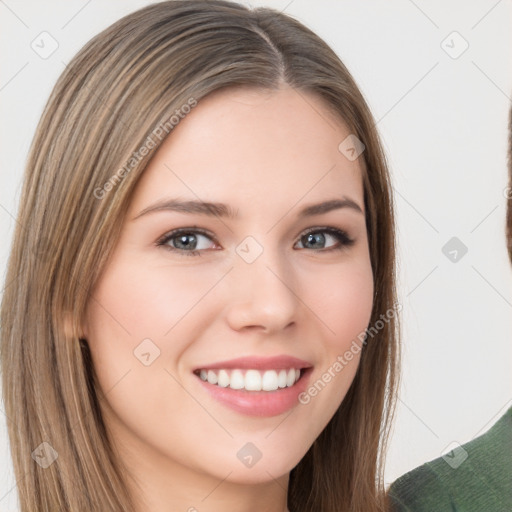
259, 363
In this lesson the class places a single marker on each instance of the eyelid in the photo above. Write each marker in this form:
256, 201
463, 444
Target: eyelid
333, 231
178, 231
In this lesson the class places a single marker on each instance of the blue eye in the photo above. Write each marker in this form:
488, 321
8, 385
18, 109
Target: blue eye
187, 241
317, 236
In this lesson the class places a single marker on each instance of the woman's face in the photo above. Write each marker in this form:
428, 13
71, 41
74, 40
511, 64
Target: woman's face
273, 279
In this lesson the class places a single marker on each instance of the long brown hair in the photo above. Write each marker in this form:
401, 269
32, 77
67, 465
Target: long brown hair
124, 84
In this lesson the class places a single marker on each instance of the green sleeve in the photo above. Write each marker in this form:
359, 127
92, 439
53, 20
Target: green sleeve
475, 477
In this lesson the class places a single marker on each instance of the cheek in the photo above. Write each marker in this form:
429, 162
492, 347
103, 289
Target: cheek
137, 303
142, 319
343, 300
135, 325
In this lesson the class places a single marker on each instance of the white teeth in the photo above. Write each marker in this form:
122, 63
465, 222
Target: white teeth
269, 381
223, 379
237, 380
212, 377
251, 380
282, 379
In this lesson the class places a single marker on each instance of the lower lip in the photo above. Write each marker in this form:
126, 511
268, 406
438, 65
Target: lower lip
259, 403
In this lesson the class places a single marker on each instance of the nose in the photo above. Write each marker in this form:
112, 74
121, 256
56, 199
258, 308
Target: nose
262, 295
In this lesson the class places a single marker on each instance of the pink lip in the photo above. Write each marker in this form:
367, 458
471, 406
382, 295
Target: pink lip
282, 362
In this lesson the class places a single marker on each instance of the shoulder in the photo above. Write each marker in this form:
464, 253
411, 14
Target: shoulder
476, 476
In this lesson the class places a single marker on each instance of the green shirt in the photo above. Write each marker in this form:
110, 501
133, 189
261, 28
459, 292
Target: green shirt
474, 477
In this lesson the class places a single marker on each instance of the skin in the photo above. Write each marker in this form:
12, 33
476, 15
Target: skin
267, 155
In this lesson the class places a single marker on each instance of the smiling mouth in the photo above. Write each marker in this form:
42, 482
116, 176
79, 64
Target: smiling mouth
252, 379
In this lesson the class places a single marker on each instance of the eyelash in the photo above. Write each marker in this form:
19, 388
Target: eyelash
342, 237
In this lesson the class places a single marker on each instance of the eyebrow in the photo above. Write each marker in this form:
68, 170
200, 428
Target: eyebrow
223, 210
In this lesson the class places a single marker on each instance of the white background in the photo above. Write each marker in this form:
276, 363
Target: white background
443, 121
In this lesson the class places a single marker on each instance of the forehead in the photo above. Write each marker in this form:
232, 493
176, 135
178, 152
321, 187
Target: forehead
254, 148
